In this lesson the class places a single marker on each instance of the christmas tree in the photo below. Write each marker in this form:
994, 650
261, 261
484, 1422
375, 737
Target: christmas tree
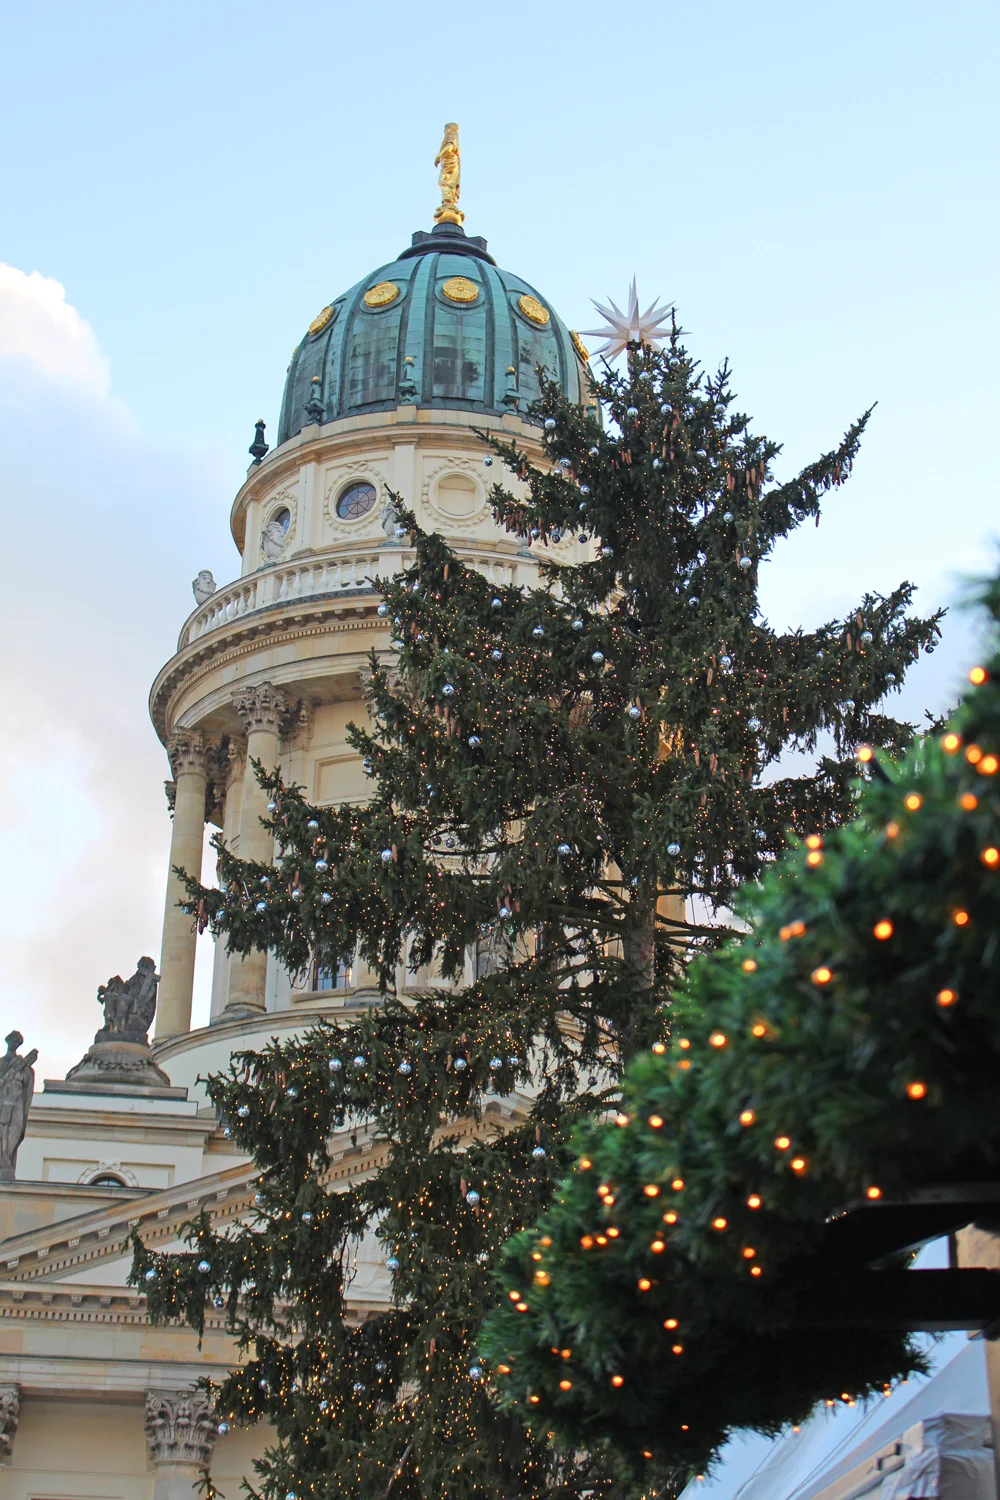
554, 773
727, 1253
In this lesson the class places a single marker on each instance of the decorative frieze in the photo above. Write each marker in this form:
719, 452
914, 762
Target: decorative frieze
10, 1412
180, 1427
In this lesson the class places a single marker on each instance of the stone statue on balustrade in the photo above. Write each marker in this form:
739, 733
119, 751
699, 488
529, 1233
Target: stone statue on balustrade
17, 1084
120, 1055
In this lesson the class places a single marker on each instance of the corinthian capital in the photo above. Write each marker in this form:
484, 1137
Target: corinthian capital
186, 752
261, 707
10, 1411
180, 1427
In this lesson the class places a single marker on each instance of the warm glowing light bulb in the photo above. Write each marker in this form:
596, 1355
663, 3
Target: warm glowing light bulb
755, 1270
748, 965
617, 1380
670, 1323
865, 753
946, 998
798, 1163
651, 1190
613, 1233
822, 975
990, 857
677, 1184
585, 1164
883, 930
753, 1201
534, 1400
968, 801
978, 676
973, 754
892, 830
621, 1120
656, 1121
960, 918
717, 1039
683, 1043
659, 1047
873, 1193
916, 1089
782, 1142
814, 858
913, 801
814, 841
670, 1217
951, 742
748, 1252
759, 1029
565, 1385
988, 765
747, 1117
587, 1242
644, 1283
720, 1223
658, 1246
677, 1349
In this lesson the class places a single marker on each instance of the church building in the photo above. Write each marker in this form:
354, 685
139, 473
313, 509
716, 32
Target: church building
384, 393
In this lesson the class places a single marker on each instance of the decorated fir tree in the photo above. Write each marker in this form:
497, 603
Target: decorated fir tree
554, 773
728, 1252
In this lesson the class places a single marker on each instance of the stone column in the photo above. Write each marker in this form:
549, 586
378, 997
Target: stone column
180, 1429
10, 1412
262, 709
187, 753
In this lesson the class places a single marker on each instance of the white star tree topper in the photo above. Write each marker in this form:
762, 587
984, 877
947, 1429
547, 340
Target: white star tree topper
633, 327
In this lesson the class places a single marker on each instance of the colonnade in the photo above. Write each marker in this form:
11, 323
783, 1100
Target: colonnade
201, 766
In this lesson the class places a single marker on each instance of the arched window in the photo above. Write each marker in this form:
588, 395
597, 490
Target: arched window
107, 1179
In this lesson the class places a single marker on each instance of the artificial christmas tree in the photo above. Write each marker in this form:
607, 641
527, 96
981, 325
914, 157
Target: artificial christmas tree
554, 773
731, 1251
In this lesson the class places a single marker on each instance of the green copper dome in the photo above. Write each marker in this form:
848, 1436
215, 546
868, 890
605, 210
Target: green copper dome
441, 326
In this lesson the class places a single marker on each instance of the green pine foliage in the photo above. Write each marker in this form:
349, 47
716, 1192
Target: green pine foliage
553, 772
842, 1054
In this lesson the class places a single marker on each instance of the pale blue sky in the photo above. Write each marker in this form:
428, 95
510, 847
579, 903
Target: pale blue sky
815, 185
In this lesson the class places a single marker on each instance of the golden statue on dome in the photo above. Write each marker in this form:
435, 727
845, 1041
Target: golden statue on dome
449, 159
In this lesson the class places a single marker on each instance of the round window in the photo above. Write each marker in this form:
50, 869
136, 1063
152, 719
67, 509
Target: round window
356, 501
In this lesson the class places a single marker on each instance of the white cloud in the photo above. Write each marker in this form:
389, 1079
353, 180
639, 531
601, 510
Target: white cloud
110, 528
39, 325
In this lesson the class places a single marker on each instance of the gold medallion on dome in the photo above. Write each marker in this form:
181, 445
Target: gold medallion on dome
533, 310
580, 346
460, 289
321, 319
381, 295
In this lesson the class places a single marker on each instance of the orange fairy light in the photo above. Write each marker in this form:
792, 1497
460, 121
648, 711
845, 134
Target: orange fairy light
565, 1385
621, 1120
720, 1223
546, 1240
651, 1190
748, 965
677, 1349
514, 1296
990, 856
536, 1255
717, 1039
683, 1043
814, 841
798, 1163
758, 1029
684, 1064
916, 1089
656, 1121
748, 1252
753, 1201
678, 1184
960, 918
865, 753
782, 1142
659, 1047
747, 1117
822, 975
968, 801
951, 742
542, 1277
913, 802
946, 998
587, 1242
534, 1400
785, 933
892, 830
600, 1239
883, 930
873, 1193
670, 1217
521, 1306
504, 1369
988, 765
617, 1380
658, 1247
565, 1353
978, 676
585, 1164
644, 1283
670, 1323
814, 858
797, 928
755, 1271
973, 754
613, 1233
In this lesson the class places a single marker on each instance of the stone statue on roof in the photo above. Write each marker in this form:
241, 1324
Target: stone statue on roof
17, 1084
